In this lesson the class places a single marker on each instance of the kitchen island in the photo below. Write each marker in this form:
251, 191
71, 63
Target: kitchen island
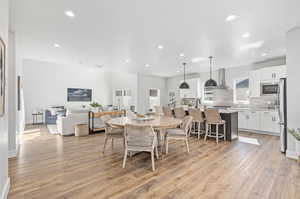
231, 119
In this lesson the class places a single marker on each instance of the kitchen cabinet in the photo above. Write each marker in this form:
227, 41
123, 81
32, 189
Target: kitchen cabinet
243, 120
253, 120
266, 121
255, 83
272, 74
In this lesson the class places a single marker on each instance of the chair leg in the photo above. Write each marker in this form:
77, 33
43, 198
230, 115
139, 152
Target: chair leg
224, 129
187, 145
125, 158
198, 128
206, 131
156, 152
167, 145
112, 143
105, 141
217, 133
152, 160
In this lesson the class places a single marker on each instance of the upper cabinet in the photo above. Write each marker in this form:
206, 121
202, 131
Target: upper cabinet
272, 74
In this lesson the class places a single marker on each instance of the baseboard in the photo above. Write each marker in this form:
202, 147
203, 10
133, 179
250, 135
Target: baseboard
5, 190
292, 154
259, 132
13, 153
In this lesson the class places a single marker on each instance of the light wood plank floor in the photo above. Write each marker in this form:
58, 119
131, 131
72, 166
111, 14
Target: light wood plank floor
52, 167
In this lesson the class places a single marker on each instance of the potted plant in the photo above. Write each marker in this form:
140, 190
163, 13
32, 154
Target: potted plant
96, 106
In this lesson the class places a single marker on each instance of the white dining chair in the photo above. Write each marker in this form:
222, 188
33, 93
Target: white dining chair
181, 133
140, 138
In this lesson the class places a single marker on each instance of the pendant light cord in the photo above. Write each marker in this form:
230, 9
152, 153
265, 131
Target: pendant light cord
184, 71
210, 62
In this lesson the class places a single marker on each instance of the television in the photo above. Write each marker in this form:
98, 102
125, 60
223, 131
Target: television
79, 95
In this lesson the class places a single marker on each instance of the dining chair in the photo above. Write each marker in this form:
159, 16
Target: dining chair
112, 132
179, 112
140, 138
179, 133
167, 111
198, 120
213, 117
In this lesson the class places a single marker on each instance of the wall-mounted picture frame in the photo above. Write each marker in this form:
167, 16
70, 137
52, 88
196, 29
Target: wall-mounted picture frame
2, 77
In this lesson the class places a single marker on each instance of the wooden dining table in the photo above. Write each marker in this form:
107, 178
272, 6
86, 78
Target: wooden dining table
158, 122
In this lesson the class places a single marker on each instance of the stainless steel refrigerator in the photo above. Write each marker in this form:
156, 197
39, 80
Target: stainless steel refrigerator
282, 98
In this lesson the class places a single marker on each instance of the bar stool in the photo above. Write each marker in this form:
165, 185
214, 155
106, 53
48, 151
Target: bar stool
213, 117
197, 121
179, 112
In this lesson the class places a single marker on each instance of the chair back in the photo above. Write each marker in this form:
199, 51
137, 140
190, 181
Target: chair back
187, 123
196, 113
167, 111
179, 112
139, 136
212, 116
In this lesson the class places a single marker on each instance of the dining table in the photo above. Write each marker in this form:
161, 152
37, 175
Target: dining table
158, 122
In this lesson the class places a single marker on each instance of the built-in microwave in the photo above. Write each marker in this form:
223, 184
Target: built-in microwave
269, 88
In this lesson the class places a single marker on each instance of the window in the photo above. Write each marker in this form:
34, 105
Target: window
241, 90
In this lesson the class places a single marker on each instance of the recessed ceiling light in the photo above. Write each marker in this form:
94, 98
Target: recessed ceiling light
56, 45
70, 14
264, 54
246, 35
147, 65
160, 47
127, 61
181, 55
198, 59
231, 17
178, 71
252, 45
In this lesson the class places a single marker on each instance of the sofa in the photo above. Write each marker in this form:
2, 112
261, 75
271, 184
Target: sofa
66, 124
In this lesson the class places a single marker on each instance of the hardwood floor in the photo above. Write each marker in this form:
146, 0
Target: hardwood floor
52, 167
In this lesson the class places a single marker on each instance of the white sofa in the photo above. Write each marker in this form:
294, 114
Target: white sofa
66, 124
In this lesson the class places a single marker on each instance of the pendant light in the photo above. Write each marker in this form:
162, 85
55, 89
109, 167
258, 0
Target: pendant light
184, 85
210, 82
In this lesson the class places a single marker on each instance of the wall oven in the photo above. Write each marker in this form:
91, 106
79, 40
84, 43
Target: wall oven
269, 89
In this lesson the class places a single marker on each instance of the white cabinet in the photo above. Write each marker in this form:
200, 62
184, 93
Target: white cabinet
243, 120
272, 74
255, 83
269, 122
266, 121
254, 120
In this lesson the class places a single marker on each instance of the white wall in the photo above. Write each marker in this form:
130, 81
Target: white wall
12, 98
45, 84
4, 120
293, 93
146, 82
